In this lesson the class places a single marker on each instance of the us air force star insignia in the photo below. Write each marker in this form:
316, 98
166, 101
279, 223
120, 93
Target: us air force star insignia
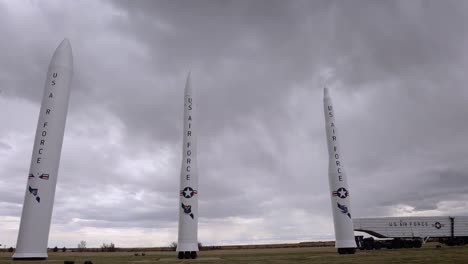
188, 192
341, 192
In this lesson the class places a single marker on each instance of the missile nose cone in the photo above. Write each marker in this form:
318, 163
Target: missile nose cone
63, 55
188, 86
326, 92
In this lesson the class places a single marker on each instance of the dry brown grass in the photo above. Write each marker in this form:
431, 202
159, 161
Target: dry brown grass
316, 255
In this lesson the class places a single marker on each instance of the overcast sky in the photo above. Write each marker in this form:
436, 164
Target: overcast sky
397, 74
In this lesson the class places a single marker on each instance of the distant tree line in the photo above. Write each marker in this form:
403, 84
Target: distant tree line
56, 249
108, 247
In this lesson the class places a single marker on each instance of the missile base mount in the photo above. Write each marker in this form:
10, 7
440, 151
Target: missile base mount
187, 255
343, 251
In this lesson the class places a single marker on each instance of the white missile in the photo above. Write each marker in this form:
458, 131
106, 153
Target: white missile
187, 245
40, 189
339, 191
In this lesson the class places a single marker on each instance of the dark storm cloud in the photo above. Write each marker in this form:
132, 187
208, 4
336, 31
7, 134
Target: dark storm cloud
452, 178
397, 78
23, 65
273, 46
4, 146
242, 54
433, 187
134, 212
394, 39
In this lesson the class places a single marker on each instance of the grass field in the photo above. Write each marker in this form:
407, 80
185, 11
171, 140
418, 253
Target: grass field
318, 255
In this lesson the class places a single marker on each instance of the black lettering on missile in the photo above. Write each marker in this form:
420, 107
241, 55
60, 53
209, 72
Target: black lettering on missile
51, 95
330, 111
188, 150
42, 142
53, 82
335, 148
38, 160
55, 75
190, 103
45, 124
47, 111
44, 133
40, 151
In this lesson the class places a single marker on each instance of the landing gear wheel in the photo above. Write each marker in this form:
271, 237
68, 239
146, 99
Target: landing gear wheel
193, 254
418, 244
180, 255
408, 244
377, 245
187, 254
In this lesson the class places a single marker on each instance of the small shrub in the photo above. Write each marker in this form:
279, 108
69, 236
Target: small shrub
108, 247
173, 246
82, 246
55, 249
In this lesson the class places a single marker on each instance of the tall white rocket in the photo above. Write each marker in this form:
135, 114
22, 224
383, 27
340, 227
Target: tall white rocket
187, 245
339, 191
40, 189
